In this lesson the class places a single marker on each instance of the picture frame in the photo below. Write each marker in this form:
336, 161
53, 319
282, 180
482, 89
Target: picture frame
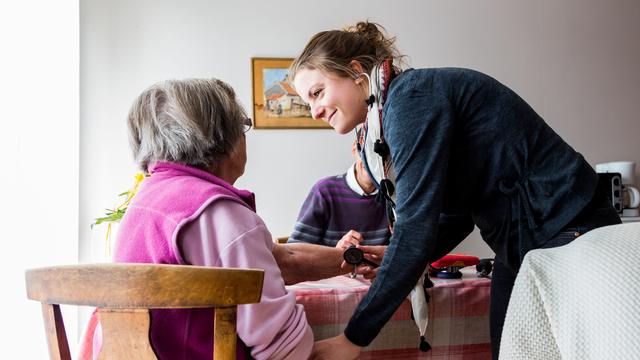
276, 105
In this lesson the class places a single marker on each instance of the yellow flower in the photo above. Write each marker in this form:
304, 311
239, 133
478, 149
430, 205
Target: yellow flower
115, 215
139, 177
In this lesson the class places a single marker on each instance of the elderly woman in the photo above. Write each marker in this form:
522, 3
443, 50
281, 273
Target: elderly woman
189, 135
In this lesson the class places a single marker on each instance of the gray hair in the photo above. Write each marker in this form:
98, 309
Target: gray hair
194, 122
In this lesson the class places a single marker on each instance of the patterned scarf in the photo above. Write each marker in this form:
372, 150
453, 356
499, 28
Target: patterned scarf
374, 151
376, 157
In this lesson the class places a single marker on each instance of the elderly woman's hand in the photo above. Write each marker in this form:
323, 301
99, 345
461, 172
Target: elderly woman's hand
351, 238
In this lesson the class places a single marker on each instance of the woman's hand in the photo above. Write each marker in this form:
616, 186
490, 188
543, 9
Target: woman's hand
373, 253
351, 238
338, 347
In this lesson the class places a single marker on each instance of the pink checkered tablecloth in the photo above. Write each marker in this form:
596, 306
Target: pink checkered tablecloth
458, 318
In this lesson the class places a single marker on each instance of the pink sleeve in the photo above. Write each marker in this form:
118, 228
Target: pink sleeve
228, 234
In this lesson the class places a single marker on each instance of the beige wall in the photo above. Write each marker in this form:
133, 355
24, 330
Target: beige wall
574, 61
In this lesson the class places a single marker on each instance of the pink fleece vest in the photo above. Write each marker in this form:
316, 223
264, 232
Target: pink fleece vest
171, 197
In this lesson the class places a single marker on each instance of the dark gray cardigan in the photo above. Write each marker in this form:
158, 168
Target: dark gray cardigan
467, 150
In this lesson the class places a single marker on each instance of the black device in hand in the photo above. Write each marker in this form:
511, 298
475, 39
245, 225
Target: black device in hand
484, 267
355, 256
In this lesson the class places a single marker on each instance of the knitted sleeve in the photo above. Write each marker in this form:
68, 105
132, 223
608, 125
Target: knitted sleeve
419, 129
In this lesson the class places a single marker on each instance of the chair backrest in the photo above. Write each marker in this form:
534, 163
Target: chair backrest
566, 304
281, 239
125, 293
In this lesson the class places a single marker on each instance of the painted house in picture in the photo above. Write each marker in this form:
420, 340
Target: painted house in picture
280, 98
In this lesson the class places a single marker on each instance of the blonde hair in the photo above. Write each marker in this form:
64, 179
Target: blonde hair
193, 122
332, 51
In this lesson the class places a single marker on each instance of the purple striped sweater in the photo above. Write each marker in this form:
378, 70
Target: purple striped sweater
332, 208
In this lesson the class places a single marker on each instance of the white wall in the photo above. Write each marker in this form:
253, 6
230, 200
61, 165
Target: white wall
39, 148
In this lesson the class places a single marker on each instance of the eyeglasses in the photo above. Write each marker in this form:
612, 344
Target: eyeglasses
247, 124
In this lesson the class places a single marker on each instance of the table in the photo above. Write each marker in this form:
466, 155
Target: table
458, 317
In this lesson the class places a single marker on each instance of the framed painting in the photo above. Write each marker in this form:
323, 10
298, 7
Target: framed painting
276, 105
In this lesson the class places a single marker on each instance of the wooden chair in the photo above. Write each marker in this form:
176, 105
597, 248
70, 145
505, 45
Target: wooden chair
124, 293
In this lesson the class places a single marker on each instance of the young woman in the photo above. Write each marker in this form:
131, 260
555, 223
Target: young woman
466, 150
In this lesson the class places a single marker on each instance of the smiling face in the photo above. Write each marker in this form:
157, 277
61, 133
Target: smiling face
339, 101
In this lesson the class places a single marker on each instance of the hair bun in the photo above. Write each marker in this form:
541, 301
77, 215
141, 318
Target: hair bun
370, 30
374, 33
333, 51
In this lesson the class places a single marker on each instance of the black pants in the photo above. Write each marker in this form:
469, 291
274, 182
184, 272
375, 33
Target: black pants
598, 213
